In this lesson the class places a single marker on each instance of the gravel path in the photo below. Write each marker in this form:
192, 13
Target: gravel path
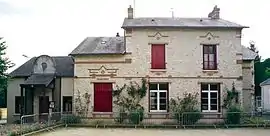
157, 132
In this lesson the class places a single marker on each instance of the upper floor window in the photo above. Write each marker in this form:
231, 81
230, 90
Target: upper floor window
209, 57
158, 56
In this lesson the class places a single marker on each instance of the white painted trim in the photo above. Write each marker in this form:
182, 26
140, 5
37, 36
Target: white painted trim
158, 98
209, 99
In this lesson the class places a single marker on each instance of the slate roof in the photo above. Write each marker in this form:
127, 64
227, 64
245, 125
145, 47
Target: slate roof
266, 82
179, 23
39, 79
100, 45
248, 54
64, 67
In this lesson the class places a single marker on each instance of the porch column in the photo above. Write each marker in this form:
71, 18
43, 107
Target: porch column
22, 102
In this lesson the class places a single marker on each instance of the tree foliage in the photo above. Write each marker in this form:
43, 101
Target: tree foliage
5, 64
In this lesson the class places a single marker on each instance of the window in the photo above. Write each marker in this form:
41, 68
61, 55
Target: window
67, 104
158, 56
210, 99
209, 57
18, 104
158, 97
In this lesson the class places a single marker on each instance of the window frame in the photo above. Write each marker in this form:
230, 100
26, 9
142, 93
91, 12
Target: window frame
164, 59
65, 101
209, 91
158, 91
208, 54
20, 99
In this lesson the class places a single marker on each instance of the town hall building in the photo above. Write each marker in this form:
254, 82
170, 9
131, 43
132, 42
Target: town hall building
175, 55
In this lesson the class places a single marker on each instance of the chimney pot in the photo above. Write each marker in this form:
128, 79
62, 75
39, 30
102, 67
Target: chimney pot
130, 12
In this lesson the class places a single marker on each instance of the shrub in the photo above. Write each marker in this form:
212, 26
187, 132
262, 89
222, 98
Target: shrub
233, 115
128, 98
254, 120
122, 116
71, 119
136, 116
191, 117
185, 109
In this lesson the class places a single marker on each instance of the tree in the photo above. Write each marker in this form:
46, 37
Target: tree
5, 64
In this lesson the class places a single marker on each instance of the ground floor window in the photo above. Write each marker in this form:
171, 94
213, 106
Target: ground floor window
18, 104
67, 104
102, 97
158, 97
210, 97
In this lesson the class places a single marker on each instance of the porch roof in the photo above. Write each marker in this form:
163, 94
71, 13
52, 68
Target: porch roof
39, 79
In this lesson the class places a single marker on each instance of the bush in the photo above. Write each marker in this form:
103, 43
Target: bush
122, 116
191, 117
254, 120
185, 109
71, 119
136, 116
233, 115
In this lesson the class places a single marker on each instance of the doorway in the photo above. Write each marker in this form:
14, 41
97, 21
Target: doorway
43, 108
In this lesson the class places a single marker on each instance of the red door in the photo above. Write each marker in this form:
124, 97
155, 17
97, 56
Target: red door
102, 97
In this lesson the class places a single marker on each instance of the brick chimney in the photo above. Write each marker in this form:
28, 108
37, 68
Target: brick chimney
130, 12
214, 14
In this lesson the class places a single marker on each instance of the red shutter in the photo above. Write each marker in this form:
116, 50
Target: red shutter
102, 97
158, 56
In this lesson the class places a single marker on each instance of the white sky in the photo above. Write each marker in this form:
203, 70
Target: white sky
56, 27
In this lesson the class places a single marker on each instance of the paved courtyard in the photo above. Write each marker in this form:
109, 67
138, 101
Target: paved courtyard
157, 132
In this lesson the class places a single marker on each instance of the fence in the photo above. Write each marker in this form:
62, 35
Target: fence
171, 119
29, 123
140, 119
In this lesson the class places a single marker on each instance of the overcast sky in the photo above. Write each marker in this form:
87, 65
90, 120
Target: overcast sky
56, 27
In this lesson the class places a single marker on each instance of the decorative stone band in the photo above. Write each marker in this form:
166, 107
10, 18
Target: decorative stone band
180, 77
104, 62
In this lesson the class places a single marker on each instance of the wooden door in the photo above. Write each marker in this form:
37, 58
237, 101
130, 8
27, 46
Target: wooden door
43, 108
103, 97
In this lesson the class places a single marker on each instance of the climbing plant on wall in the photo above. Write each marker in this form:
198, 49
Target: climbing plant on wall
128, 98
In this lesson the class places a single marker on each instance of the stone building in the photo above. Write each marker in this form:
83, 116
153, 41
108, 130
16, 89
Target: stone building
175, 55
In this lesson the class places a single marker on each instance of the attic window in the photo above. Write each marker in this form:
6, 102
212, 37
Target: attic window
103, 42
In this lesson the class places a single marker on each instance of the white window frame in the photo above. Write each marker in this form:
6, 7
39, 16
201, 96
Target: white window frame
209, 91
158, 98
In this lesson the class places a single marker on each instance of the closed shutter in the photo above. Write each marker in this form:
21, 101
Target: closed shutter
158, 56
103, 97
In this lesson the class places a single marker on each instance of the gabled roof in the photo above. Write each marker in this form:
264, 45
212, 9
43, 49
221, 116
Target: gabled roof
64, 67
158, 22
248, 54
100, 45
266, 82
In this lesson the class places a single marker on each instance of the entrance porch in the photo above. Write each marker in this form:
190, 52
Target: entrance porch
39, 98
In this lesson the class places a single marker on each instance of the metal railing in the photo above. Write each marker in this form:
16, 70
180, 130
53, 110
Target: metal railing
139, 119
29, 123
170, 119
